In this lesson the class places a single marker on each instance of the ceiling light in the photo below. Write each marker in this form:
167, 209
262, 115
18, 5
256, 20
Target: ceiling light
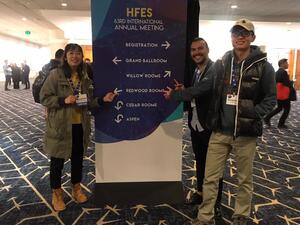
24, 19
288, 23
234, 6
64, 4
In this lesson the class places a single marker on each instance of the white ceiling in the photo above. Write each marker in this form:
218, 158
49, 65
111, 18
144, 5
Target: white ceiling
257, 10
49, 22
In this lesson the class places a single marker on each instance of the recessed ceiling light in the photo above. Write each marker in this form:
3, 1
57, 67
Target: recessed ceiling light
64, 4
24, 19
234, 6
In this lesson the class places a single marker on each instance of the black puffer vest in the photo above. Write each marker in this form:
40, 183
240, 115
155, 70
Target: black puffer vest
250, 93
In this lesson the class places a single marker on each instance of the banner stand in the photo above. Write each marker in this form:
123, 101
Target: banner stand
138, 50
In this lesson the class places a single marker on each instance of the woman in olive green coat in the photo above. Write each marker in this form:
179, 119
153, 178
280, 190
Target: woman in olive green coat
67, 95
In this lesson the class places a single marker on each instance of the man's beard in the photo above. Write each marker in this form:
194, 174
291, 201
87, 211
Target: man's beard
201, 61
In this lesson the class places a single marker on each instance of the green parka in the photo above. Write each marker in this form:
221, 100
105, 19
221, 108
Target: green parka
58, 135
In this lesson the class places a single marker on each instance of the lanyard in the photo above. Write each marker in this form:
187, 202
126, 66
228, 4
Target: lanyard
198, 74
76, 89
232, 75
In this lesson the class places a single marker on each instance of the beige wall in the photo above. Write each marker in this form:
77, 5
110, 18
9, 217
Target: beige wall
294, 67
53, 48
87, 51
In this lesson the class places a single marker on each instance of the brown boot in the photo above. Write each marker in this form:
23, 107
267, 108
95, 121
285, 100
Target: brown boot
77, 194
58, 200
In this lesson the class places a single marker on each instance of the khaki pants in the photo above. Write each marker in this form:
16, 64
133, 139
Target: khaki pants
219, 148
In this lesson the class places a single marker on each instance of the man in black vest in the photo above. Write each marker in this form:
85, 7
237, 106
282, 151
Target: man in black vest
243, 92
197, 113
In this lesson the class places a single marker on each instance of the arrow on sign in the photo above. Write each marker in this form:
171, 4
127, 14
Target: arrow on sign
167, 73
116, 60
119, 105
119, 118
166, 45
116, 91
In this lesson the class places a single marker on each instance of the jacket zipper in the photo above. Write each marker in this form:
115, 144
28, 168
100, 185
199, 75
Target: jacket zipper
238, 93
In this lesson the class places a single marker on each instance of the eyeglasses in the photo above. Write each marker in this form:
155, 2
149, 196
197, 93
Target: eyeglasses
243, 33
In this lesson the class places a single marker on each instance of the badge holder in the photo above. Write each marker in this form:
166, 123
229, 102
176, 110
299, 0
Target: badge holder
81, 99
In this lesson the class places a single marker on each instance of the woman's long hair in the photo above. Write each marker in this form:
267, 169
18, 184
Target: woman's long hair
66, 67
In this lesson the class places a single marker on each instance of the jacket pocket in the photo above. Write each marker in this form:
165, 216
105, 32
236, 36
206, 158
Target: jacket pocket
246, 109
54, 133
55, 124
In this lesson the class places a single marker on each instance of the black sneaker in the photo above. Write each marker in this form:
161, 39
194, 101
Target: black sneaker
196, 199
218, 211
282, 126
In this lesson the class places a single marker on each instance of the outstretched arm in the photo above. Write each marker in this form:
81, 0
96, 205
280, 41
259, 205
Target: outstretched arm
187, 94
109, 97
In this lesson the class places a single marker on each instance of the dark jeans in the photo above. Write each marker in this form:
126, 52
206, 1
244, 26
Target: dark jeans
200, 142
281, 104
26, 82
16, 84
7, 82
57, 164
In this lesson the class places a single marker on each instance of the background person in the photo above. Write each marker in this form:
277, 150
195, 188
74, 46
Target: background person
67, 95
16, 75
25, 74
283, 85
7, 73
89, 68
54, 63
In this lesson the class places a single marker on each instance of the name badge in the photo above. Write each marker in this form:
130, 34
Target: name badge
231, 99
81, 100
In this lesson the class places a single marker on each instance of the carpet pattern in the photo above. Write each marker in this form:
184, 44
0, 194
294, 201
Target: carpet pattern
25, 195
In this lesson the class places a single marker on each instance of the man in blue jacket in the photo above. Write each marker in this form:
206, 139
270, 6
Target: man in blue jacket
243, 92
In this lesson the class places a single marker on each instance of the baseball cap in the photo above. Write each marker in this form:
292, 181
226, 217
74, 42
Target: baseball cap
245, 23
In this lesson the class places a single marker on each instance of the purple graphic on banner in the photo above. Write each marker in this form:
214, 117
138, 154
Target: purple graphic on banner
138, 50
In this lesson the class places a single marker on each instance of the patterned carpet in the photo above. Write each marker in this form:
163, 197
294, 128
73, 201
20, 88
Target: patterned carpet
25, 196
